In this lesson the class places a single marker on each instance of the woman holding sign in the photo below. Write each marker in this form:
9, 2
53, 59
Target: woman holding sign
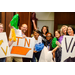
71, 32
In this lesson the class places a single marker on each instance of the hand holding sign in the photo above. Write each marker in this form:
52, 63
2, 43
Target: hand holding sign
24, 36
1, 41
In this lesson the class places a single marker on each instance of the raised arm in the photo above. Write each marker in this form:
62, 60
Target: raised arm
34, 25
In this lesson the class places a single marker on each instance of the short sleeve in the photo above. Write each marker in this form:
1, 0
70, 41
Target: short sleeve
54, 42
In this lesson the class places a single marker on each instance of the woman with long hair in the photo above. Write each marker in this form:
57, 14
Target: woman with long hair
44, 31
58, 52
55, 42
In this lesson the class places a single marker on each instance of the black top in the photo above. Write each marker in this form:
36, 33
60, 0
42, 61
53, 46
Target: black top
51, 48
44, 41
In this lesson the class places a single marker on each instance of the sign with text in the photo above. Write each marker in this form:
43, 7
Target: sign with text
23, 47
4, 48
68, 48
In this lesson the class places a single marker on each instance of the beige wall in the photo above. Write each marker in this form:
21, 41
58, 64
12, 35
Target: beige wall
45, 15
47, 19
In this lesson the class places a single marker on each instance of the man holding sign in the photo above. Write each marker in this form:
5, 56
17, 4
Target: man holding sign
21, 34
18, 36
3, 43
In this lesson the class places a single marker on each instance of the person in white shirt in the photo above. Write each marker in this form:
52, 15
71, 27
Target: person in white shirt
38, 39
22, 34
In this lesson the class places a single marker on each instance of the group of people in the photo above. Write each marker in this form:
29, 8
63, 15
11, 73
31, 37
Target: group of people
53, 43
23, 30
41, 38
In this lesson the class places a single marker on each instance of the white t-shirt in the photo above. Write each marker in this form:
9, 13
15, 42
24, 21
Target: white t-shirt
17, 32
37, 41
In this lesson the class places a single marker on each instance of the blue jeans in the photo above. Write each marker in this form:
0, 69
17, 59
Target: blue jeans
2, 59
37, 55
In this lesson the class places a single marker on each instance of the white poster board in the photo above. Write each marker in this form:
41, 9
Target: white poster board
4, 48
46, 55
23, 47
68, 47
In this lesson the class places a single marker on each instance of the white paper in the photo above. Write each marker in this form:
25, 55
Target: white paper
4, 45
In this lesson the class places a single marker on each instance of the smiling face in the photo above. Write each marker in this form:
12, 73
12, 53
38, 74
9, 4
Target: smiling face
70, 31
36, 35
64, 29
1, 28
44, 30
48, 37
57, 34
24, 28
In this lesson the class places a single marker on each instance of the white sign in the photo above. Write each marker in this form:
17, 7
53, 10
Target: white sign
68, 47
23, 47
4, 48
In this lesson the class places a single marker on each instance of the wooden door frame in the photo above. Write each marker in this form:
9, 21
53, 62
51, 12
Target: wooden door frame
29, 25
6, 18
3, 20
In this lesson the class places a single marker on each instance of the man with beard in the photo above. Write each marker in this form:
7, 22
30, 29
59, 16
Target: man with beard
22, 34
23, 30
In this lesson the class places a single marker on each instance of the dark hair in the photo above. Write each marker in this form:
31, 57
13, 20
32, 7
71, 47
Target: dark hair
33, 16
58, 32
46, 28
37, 32
72, 28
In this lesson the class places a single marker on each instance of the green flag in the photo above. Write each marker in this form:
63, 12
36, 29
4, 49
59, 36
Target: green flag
15, 21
